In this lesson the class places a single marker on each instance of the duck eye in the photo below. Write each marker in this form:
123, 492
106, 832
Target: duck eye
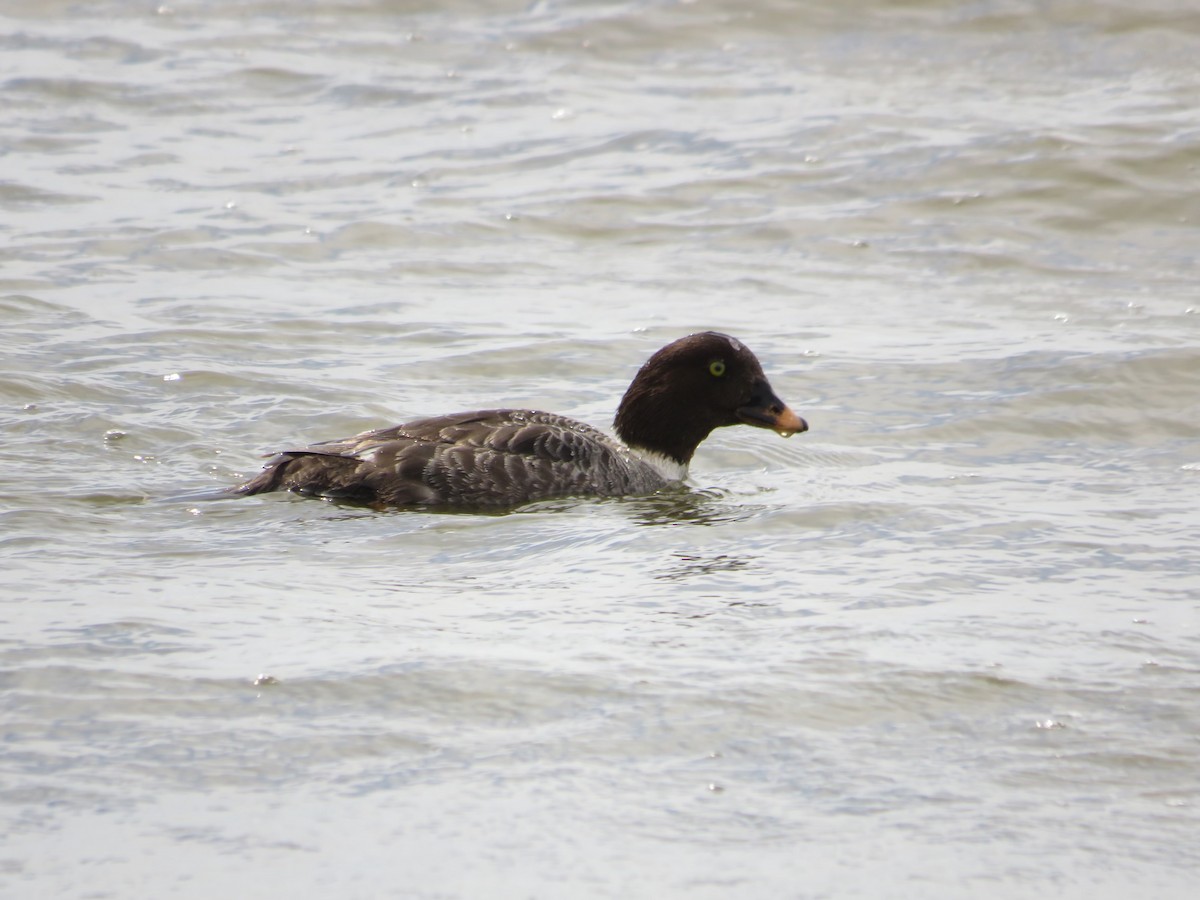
716, 368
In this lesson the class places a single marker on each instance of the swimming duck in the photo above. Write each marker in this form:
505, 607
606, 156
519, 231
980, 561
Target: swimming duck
506, 457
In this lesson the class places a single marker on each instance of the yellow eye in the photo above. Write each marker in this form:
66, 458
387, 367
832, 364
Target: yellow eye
716, 368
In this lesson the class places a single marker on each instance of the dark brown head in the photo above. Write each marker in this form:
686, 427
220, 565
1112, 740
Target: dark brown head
698, 383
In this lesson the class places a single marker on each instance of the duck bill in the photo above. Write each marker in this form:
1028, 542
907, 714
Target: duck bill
771, 412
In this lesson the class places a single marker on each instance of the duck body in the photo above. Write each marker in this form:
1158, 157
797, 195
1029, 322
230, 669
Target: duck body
507, 457
491, 457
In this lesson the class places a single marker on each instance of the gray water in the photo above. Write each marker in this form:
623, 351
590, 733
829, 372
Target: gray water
946, 644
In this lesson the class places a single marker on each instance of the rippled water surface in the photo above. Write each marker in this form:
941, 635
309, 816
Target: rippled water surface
946, 644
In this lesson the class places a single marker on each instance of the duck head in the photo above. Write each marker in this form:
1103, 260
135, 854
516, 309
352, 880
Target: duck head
693, 385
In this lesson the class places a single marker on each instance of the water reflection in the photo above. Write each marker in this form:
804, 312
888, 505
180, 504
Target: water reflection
682, 506
691, 565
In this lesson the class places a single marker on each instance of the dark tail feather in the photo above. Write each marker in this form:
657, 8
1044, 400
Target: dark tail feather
266, 480
269, 479
328, 475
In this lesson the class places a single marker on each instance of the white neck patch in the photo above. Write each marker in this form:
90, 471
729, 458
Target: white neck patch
664, 465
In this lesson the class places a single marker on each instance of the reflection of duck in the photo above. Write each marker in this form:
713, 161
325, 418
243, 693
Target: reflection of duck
505, 457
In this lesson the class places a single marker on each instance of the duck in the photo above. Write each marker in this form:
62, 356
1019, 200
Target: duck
495, 458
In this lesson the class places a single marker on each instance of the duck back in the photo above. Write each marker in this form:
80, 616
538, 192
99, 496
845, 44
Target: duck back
485, 458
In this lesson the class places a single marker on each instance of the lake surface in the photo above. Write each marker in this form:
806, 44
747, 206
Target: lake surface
946, 644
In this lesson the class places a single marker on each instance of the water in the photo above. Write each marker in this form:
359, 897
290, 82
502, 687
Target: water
943, 645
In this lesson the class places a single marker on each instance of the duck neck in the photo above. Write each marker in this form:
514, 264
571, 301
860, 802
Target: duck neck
654, 424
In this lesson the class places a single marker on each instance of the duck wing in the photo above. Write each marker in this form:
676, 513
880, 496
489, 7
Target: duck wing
495, 457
